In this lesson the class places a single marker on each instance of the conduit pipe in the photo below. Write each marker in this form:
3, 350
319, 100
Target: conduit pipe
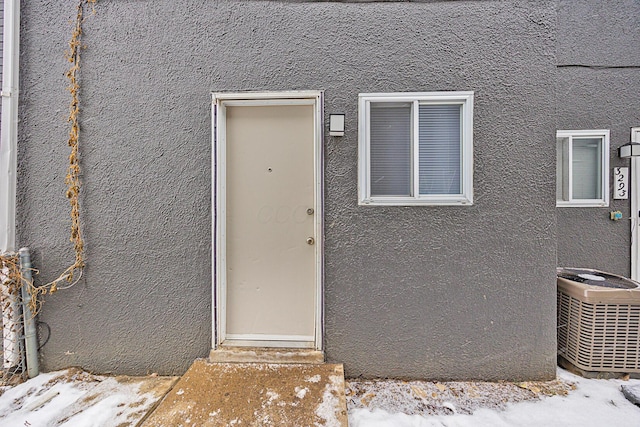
9, 125
30, 335
8, 170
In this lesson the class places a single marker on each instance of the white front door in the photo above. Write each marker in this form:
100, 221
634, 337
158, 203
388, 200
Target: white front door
268, 220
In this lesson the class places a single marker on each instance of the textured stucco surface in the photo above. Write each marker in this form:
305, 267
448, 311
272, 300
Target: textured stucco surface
601, 34
431, 292
592, 32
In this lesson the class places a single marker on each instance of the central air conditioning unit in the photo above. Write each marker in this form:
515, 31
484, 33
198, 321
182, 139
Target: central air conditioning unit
598, 321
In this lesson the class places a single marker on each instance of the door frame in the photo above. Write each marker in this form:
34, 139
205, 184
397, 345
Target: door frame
218, 165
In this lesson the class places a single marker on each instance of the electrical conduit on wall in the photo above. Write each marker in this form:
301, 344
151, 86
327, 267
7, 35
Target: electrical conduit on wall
8, 161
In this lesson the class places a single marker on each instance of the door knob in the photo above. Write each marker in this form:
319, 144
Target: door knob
310, 241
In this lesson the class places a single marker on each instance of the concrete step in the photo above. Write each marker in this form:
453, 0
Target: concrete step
265, 355
254, 394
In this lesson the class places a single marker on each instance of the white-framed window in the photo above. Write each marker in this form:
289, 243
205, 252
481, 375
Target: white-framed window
582, 177
415, 148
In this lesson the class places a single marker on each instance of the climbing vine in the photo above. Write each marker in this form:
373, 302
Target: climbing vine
72, 179
73, 273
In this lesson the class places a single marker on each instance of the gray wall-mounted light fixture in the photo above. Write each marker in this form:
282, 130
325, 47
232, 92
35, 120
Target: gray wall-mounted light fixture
632, 149
336, 124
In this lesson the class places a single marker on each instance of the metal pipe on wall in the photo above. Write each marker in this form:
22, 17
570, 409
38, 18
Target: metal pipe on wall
9, 166
30, 335
9, 125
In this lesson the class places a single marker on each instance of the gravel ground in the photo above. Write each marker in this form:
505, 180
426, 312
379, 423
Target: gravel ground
445, 398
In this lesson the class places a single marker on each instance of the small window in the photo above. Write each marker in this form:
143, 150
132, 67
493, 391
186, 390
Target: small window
416, 148
582, 177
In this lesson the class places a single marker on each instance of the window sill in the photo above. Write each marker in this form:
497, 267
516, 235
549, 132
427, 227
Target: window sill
582, 204
398, 201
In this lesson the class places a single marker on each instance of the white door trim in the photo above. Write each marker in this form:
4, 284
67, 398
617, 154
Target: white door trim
635, 208
218, 166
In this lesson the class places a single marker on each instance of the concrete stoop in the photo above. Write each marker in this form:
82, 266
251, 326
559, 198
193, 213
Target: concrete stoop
254, 394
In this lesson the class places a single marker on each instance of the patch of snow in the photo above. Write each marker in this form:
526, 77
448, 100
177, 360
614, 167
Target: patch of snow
593, 403
271, 396
326, 410
588, 276
314, 379
73, 398
301, 392
13, 414
180, 392
99, 414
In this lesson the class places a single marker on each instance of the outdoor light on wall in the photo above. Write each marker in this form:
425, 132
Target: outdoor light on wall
632, 149
336, 124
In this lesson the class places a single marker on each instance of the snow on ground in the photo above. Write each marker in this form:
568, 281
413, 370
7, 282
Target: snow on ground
580, 402
73, 398
78, 399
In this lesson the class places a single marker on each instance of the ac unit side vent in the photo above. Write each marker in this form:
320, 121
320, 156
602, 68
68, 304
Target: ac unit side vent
598, 336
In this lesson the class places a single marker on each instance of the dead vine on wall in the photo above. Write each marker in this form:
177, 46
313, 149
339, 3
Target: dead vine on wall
10, 276
73, 273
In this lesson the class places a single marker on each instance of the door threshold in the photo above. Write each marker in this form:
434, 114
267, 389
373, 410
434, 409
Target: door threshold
265, 355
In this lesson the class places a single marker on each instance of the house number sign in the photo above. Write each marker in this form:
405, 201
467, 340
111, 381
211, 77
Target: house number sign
621, 183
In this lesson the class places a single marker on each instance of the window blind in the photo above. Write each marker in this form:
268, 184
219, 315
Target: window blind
390, 149
587, 167
440, 153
